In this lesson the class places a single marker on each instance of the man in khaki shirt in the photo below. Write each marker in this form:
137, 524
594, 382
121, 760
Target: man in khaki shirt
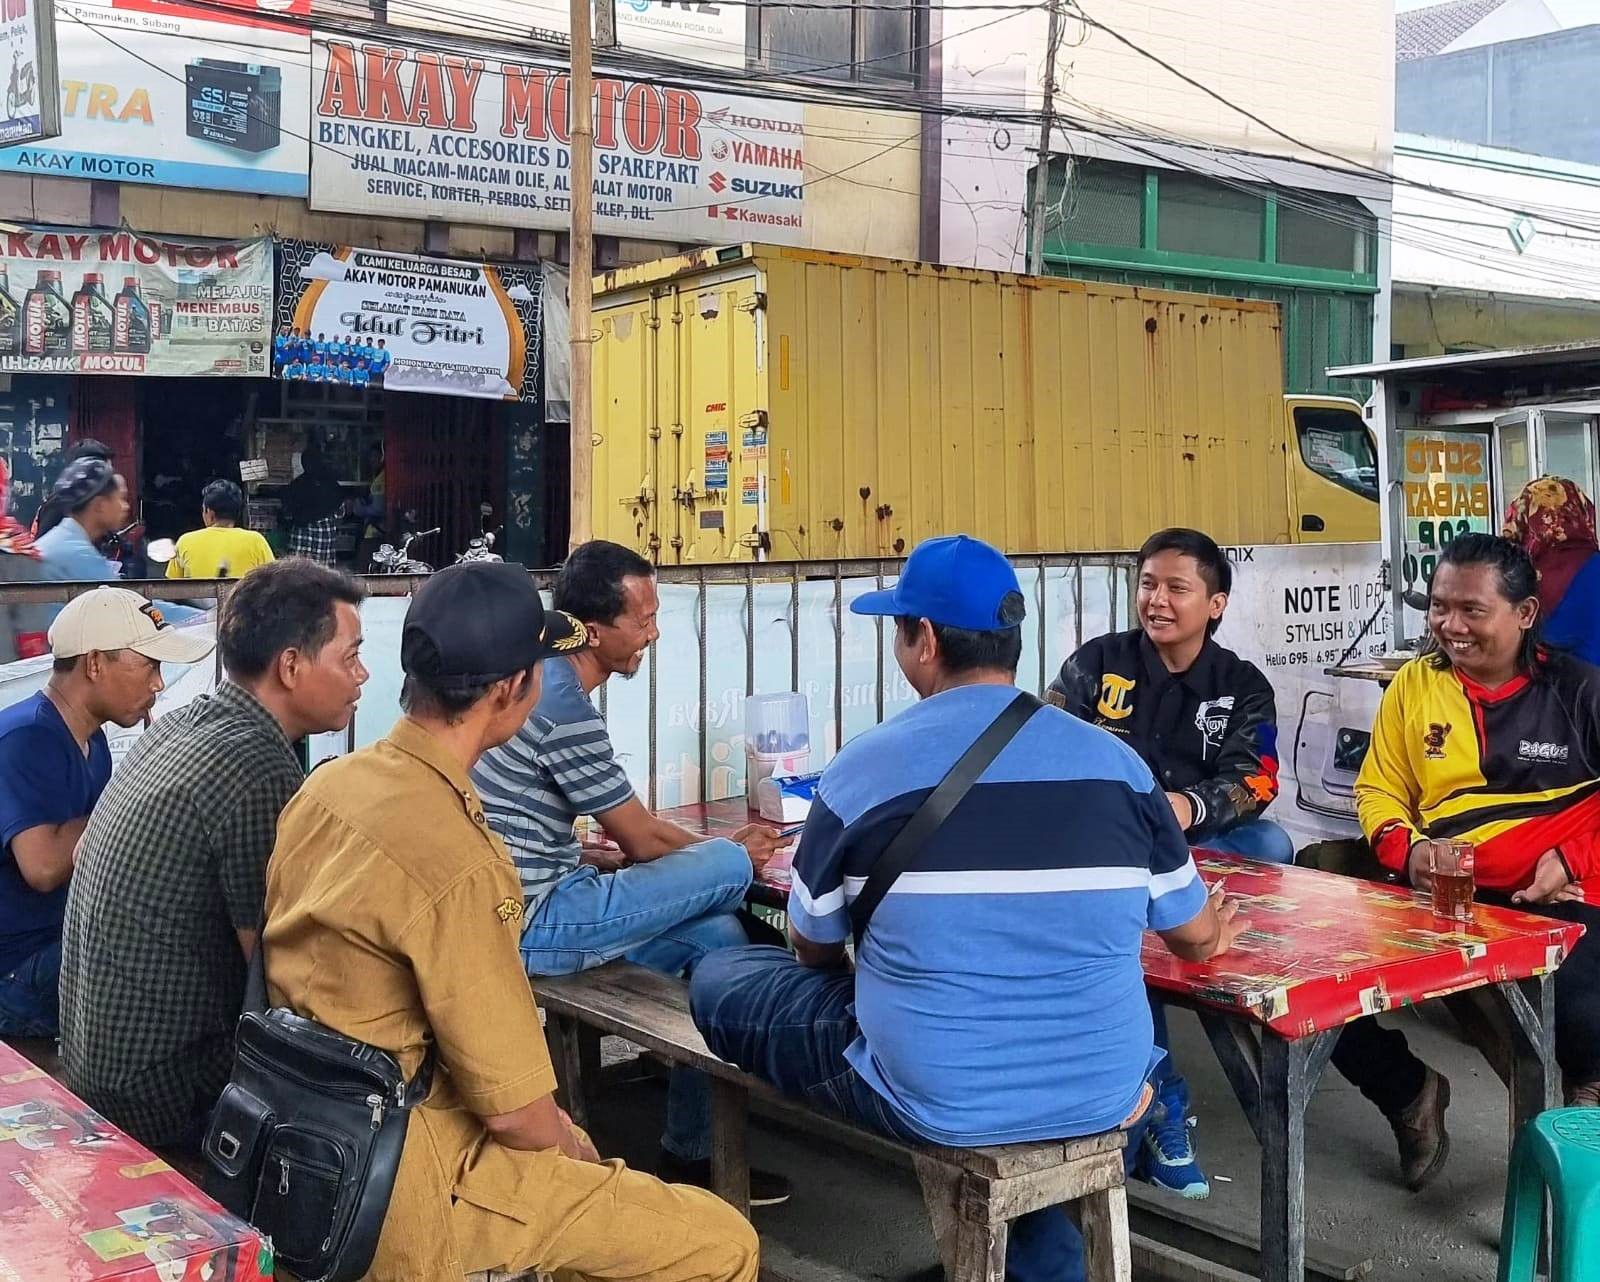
393, 915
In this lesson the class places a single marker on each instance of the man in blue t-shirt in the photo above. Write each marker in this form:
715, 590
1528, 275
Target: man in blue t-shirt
997, 995
54, 763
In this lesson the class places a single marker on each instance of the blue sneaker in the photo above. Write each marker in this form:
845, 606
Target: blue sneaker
1166, 1156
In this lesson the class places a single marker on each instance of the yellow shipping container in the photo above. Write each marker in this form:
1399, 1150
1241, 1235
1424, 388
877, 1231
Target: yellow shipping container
764, 402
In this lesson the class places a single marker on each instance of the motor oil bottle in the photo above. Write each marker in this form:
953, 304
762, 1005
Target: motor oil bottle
46, 318
130, 325
10, 317
91, 316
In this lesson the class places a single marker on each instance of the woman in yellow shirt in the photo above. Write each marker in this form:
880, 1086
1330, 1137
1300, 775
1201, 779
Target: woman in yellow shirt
222, 550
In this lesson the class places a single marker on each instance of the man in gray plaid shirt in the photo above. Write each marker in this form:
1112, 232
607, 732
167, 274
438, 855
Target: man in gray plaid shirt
166, 898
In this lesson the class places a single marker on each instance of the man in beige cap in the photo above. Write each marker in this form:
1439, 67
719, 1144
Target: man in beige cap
109, 645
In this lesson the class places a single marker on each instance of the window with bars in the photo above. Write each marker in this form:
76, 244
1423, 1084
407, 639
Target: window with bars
873, 40
1169, 219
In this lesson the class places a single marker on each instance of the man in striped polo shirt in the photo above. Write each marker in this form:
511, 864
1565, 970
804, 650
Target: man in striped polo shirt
997, 994
670, 896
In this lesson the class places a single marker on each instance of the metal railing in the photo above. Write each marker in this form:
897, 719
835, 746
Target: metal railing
1067, 591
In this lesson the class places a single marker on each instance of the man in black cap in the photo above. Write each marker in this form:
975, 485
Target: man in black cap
393, 916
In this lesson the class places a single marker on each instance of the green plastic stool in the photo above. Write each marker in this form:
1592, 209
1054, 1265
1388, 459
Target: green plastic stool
1558, 1151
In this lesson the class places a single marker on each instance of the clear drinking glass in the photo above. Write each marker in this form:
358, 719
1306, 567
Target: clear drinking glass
1451, 865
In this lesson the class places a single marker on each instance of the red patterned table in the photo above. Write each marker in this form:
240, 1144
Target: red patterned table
1320, 951
81, 1202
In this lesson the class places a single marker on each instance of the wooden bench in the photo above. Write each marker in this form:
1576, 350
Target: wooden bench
971, 1194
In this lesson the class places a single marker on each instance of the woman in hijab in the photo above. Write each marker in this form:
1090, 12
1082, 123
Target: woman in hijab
1554, 522
22, 626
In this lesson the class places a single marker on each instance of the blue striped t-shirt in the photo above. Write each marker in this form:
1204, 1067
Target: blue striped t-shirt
999, 989
558, 766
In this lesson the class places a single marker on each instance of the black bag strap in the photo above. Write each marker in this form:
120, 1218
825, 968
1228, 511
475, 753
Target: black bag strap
255, 1003
255, 980
937, 807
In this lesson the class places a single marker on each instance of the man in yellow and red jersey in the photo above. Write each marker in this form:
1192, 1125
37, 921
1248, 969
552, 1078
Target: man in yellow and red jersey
1494, 739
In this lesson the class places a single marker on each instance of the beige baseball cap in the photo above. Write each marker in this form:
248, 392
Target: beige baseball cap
116, 619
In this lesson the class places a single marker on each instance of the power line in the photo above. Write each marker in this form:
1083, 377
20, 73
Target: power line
823, 175
1346, 163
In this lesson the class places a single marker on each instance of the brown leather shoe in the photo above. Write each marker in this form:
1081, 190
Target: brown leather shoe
1419, 1130
1585, 1096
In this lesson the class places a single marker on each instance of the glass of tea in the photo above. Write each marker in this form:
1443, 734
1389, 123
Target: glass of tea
1450, 864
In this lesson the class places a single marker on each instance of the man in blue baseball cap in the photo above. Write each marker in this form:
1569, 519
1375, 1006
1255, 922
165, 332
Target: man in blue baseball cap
997, 995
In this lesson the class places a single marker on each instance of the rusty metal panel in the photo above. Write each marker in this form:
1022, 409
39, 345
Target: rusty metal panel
905, 400
628, 426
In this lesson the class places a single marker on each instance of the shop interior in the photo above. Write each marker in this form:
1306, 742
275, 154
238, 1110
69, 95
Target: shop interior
441, 459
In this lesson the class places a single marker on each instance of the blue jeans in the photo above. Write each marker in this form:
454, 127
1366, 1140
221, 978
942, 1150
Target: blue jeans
761, 1009
1258, 839
666, 914
30, 995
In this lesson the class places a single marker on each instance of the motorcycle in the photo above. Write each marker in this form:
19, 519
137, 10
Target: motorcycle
391, 560
20, 91
480, 549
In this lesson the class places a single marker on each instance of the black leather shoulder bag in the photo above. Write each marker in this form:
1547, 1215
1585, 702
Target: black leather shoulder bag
305, 1142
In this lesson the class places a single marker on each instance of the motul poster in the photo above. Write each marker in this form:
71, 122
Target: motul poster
117, 302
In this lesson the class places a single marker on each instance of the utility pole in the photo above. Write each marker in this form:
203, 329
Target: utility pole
1047, 120
580, 100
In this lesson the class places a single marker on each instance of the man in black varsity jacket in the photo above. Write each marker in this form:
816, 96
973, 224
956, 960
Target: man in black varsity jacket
1205, 722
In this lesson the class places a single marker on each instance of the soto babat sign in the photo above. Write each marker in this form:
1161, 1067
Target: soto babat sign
450, 327
116, 302
1445, 487
407, 132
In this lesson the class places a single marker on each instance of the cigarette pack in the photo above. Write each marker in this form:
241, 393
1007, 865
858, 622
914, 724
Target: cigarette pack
786, 798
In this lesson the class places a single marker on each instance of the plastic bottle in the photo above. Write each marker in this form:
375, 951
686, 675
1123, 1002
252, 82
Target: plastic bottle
130, 327
91, 316
46, 318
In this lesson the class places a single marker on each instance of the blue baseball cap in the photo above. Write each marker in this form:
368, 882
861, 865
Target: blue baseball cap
957, 581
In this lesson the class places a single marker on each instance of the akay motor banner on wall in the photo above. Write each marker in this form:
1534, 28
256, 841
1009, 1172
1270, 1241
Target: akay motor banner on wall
451, 327
117, 302
28, 63
406, 132
213, 98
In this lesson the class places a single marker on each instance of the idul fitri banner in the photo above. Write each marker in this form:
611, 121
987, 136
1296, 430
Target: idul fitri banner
116, 302
451, 327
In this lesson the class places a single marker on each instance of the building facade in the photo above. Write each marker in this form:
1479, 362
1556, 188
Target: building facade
1230, 147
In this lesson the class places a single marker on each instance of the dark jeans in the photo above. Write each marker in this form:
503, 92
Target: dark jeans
1380, 1064
760, 1009
30, 995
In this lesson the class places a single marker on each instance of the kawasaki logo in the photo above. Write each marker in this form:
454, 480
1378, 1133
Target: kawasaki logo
762, 187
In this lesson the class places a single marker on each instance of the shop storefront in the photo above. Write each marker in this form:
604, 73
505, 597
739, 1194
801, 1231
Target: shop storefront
156, 345
418, 379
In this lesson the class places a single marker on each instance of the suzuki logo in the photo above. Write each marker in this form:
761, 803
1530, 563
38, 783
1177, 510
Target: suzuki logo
718, 183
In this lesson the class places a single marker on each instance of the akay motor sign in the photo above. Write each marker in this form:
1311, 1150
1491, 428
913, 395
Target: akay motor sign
406, 132
77, 302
